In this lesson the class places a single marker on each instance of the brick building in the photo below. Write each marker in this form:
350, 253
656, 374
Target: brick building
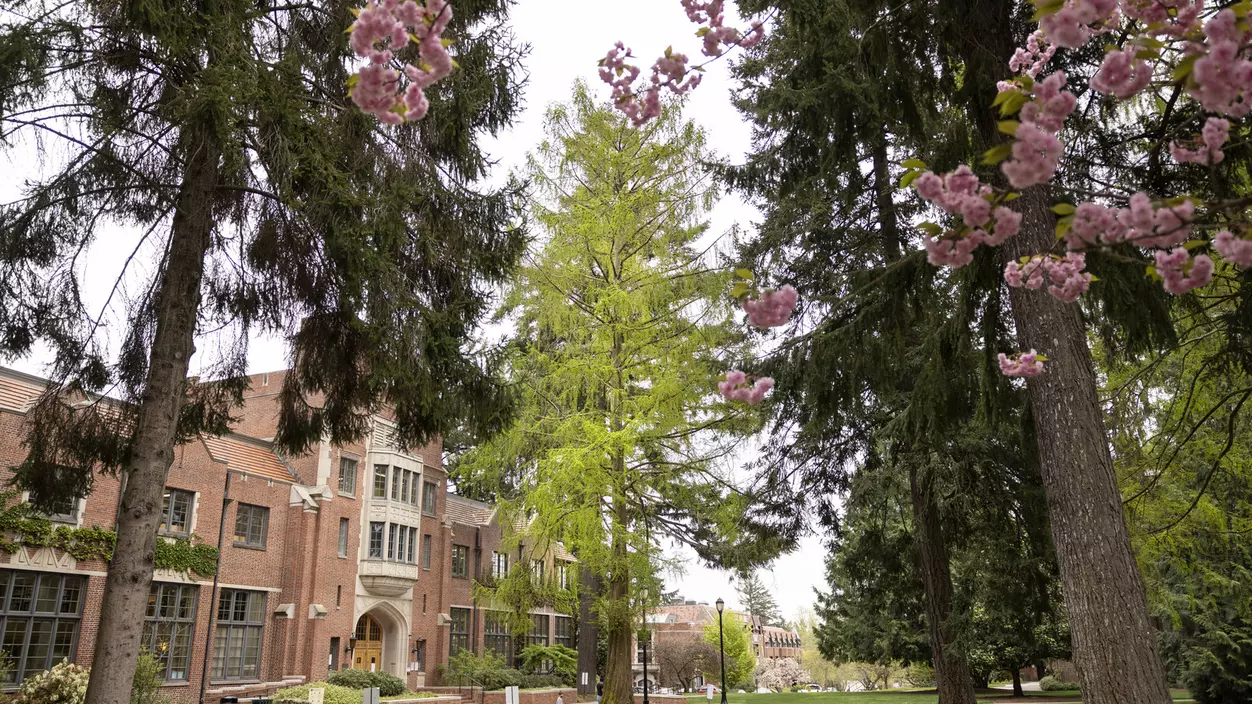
349, 556
689, 619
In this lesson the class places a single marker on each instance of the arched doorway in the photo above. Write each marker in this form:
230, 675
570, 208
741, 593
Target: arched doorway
368, 654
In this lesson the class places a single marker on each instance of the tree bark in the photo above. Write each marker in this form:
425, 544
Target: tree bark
1017, 683
1113, 640
588, 633
952, 674
618, 676
177, 303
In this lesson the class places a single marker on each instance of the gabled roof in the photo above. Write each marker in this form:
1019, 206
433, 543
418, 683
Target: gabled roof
17, 395
468, 512
246, 454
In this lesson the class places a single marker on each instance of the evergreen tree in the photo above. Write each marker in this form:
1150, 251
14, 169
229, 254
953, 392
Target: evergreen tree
269, 205
756, 599
617, 436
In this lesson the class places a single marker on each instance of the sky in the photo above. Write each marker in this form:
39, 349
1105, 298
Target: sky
567, 38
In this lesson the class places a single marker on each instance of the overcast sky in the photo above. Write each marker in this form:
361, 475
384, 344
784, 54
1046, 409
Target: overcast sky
568, 37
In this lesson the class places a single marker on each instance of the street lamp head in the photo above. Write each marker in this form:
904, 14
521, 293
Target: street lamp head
720, 605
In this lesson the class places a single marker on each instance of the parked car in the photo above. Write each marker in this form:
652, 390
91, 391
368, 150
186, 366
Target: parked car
814, 687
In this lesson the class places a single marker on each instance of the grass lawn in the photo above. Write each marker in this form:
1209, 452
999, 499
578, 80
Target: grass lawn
892, 697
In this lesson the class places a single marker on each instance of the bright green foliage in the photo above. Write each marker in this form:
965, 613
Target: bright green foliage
737, 646
1184, 454
550, 658
334, 693
388, 684
618, 311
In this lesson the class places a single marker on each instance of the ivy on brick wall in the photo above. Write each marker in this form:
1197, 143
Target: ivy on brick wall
21, 527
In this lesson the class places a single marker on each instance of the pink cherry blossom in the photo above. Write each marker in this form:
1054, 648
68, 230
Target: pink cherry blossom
1065, 276
1036, 154
735, 388
1221, 78
1182, 272
1075, 23
1031, 59
1234, 249
384, 27
1024, 364
1214, 135
1122, 74
773, 308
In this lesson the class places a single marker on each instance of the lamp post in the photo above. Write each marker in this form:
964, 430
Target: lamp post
644, 636
721, 644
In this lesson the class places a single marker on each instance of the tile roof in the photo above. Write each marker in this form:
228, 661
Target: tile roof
248, 455
468, 512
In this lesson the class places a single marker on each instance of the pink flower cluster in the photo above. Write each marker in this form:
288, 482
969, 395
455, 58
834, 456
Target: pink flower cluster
1183, 272
1065, 276
773, 308
1214, 134
961, 193
1037, 150
1173, 17
1024, 364
1121, 74
1233, 249
1221, 79
736, 388
384, 27
1141, 223
1031, 60
671, 70
1077, 21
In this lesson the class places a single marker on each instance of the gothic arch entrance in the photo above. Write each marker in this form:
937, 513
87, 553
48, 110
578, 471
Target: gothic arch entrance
368, 654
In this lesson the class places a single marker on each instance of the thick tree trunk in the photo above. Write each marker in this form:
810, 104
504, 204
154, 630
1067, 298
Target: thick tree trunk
952, 675
1041, 669
588, 634
125, 599
1017, 683
618, 677
1113, 641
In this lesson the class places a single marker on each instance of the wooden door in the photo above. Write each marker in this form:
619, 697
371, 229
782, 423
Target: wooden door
369, 645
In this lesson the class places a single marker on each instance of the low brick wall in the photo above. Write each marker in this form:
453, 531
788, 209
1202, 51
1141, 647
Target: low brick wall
537, 696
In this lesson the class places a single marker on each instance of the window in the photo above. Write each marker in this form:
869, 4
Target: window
412, 545
500, 565
396, 475
333, 663
251, 525
376, 540
536, 571
39, 617
391, 542
496, 638
339, 595
538, 630
562, 573
67, 509
404, 487
428, 498
380, 481
343, 537
460, 561
640, 643
426, 552
347, 476
176, 512
459, 631
237, 638
167, 628
413, 490
564, 631
421, 656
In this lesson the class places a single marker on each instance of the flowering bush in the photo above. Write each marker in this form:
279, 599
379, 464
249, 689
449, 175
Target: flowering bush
65, 683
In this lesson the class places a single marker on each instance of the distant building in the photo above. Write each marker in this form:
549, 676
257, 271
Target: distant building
689, 619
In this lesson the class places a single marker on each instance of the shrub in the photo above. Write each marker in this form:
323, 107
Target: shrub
334, 694
145, 688
542, 682
388, 685
65, 683
1052, 684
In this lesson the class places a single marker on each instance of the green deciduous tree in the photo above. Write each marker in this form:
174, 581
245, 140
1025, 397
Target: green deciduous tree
734, 639
266, 204
618, 311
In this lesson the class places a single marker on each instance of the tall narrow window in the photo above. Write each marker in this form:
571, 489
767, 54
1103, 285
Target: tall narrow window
428, 498
562, 573
426, 552
404, 487
460, 561
347, 476
376, 540
343, 537
396, 475
414, 490
237, 637
500, 565
339, 595
251, 525
536, 571
41, 614
176, 512
412, 544
496, 638
538, 634
167, 629
380, 481
333, 662
459, 631
564, 627
421, 656
391, 542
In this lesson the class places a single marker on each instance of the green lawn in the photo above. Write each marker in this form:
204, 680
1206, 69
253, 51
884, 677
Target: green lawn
891, 697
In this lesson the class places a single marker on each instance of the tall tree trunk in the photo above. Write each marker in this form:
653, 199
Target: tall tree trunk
1113, 641
618, 676
588, 633
125, 597
1041, 669
1017, 682
952, 675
